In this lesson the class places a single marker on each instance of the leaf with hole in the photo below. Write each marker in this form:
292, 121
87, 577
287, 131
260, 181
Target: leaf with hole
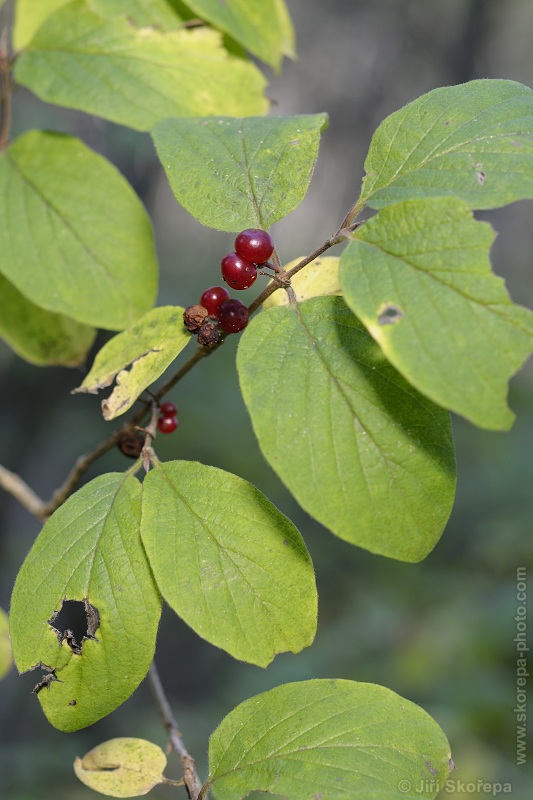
261, 26
89, 553
418, 276
122, 767
232, 174
41, 337
328, 738
318, 279
359, 448
74, 237
228, 562
473, 141
136, 76
136, 357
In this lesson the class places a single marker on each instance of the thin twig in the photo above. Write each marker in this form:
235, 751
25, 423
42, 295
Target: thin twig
20, 490
190, 776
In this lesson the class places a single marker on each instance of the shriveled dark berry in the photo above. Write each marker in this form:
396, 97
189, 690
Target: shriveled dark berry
131, 443
212, 298
255, 245
237, 271
232, 316
168, 409
194, 317
209, 335
167, 424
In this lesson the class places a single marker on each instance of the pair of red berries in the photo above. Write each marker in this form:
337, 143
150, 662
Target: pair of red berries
253, 247
168, 421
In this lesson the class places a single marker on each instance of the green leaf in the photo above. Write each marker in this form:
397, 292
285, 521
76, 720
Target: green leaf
40, 336
318, 279
418, 276
357, 446
89, 551
136, 76
122, 767
261, 26
228, 562
74, 237
29, 16
143, 13
328, 738
136, 357
237, 173
6, 653
474, 141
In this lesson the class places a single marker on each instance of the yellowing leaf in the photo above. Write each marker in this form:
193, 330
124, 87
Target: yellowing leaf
319, 278
122, 767
136, 357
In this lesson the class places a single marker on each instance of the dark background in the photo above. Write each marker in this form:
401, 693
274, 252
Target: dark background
440, 632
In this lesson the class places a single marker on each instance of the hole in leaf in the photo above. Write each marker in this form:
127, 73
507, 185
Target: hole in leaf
48, 677
76, 621
389, 314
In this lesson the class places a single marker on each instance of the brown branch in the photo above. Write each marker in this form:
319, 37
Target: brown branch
190, 776
20, 490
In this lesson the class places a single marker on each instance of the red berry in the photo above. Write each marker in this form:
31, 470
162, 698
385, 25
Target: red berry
232, 316
167, 424
212, 298
255, 245
238, 272
168, 409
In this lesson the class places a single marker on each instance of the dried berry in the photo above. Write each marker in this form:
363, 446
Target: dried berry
131, 443
194, 317
209, 335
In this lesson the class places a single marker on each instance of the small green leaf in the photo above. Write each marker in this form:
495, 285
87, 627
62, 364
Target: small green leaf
474, 141
328, 738
29, 16
74, 237
357, 446
238, 173
261, 26
40, 336
6, 652
123, 767
228, 562
318, 279
136, 357
136, 76
418, 276
89, 552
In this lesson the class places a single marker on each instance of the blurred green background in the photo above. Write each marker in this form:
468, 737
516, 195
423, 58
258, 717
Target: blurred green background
440, 632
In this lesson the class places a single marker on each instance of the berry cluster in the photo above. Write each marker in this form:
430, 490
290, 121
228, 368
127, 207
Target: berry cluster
168, 421
253, 248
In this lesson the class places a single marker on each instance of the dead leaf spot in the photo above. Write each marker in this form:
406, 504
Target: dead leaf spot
431, 768
480, 177
389, 314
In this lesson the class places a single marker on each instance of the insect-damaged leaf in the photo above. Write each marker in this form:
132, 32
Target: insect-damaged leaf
358, 447
418, 276
122, 767
328, 738
228, 562
136, 357
89, 551
238, 173
473, 141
